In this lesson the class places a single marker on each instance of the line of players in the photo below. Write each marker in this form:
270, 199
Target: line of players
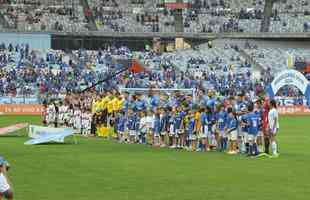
239, 128
63, 115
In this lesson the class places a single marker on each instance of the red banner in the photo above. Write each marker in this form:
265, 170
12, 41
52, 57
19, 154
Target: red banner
21, 109
175, 6
294, 110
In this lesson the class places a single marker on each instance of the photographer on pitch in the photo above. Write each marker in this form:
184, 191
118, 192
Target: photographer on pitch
5, 187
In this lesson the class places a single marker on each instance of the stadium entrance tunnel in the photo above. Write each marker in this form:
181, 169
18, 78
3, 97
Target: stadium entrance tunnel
290, 77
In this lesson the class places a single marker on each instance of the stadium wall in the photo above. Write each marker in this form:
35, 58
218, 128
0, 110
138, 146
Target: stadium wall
136, 41
74, 42
37, 40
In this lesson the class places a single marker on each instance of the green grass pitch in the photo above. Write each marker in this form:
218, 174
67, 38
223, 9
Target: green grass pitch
96, 169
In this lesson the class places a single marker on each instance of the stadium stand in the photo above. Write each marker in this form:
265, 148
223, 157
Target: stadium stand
26, 71
203, 16
131, 16
276, 59
33, 15
246, 16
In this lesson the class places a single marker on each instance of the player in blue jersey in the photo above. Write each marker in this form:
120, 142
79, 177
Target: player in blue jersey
139, 104
156, 129
211, 118
121, 126
231, 129
221, 125
138, 137
164, 122
204, 128
172, 129
241, 110
131, 126
243, 131
179, 124
253, 124
260, 136
190, 130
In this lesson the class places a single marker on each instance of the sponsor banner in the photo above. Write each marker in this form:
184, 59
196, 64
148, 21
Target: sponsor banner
41, 134
291, 101
294, 110
21, 109
13, 128
290, 77
19, 100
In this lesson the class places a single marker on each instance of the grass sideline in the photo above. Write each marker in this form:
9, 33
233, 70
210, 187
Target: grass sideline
104, 170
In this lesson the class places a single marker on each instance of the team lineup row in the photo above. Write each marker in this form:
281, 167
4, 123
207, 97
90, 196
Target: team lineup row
241, 126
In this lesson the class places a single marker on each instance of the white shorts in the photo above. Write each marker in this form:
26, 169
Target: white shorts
192, 137
143, 131
205, 131
71, 121
213, 128
179, 131
163, 133
260, 134
60, 119
132, 133
251, 138
200, 135
223, 133
4, 185
245, 137
156, 134
171, 130
233, 135
50, 119
77, 125
85, 125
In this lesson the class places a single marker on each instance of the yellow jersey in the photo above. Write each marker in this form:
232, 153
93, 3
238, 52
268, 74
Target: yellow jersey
197, 120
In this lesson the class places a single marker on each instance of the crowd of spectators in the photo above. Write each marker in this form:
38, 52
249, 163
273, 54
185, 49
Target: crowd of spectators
131, 16
245, 16
44, 73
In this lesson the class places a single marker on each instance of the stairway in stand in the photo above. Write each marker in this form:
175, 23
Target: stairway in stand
89, 15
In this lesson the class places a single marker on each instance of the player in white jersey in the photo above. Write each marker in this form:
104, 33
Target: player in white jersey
62, 113
69, 119
77, 119
86, 122
273, 121
51, 114
5, 187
